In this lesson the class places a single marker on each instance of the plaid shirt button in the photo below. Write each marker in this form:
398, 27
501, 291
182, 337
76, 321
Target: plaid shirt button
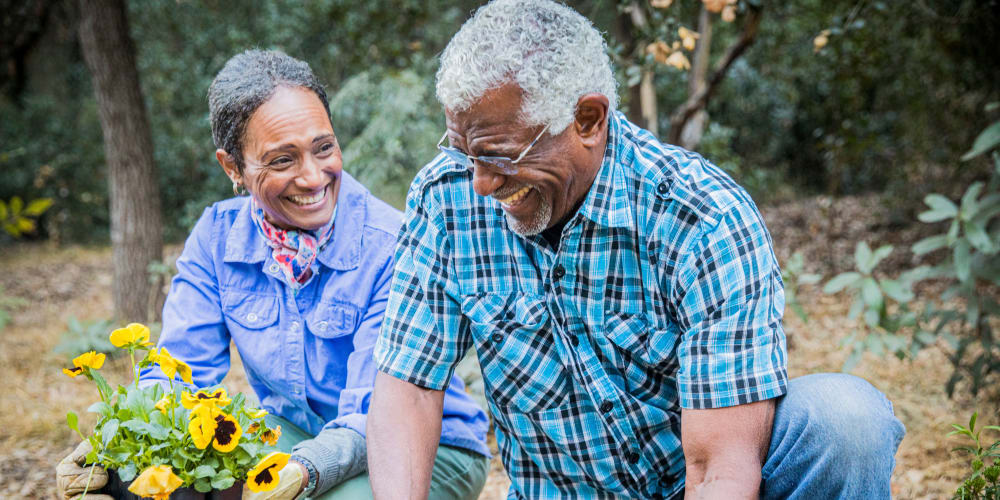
558, 272
607, 406
497, 337
633, 457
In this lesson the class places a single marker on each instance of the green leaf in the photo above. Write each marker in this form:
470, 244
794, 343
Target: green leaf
925, 337
16, 204
856, 307
930, 244
203, 471
863, 257
852, 360
969, 199
871, 294
987, 140
100, 408
127, 472
879, 255
972, 421
108, 431
203, 485
224, 479
840, 281
102, 385
941, 208
3, 211
37, 207
977, 236
871, 318
72, 421
810, 279
896, 291
963, 261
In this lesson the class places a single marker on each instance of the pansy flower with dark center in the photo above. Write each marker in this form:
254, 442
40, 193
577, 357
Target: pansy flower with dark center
264, 476
227, 432
217, 398
270, 436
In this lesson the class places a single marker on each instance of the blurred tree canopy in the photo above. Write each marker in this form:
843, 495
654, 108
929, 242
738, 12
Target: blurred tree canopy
892, 98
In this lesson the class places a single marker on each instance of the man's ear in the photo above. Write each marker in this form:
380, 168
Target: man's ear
591, 120
228, 164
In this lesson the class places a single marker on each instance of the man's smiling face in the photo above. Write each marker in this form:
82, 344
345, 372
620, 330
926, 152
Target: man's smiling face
548, 183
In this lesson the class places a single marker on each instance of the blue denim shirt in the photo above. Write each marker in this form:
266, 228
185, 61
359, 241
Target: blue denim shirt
308, 356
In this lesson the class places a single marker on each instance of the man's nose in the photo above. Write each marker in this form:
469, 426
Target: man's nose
485, 181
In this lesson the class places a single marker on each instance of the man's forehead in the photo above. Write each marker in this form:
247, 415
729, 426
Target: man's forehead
498, 106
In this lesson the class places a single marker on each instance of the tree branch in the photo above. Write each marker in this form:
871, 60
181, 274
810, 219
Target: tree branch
699, 100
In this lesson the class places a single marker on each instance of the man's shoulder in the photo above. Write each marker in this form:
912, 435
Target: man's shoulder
441, 182
691, 185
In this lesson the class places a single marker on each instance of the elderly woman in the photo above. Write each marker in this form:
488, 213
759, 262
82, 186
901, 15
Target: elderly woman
296, 275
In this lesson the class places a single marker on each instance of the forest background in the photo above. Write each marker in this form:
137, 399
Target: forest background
839, 117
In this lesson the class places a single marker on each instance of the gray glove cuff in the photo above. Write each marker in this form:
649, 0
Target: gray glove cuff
336, 454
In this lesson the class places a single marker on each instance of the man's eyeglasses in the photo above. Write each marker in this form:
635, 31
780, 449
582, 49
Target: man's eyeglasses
501, 163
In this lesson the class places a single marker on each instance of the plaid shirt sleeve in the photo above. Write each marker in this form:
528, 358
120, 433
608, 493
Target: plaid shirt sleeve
423, 335
730, 302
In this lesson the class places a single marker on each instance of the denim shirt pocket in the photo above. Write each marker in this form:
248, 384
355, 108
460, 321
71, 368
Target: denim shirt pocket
332, 320
249, 310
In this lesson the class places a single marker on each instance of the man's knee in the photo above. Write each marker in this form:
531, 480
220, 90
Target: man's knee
840, 414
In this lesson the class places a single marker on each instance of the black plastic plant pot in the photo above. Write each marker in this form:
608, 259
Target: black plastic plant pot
119, 490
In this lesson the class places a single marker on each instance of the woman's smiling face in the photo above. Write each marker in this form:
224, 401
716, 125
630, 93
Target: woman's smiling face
292, 160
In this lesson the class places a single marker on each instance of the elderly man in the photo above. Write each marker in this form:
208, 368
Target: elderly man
622, 296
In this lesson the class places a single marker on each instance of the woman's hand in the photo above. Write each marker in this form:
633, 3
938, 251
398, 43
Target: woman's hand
291, 481
72, 477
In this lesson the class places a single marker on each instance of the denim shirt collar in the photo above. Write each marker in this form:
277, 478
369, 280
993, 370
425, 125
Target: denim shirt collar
607, 203
342, 252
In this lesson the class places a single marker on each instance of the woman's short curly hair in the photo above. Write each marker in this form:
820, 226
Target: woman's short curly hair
554, 54
247, 81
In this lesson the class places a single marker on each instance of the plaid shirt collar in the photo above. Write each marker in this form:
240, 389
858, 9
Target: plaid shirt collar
607, 203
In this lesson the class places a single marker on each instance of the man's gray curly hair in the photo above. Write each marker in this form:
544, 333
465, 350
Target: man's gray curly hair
554, 54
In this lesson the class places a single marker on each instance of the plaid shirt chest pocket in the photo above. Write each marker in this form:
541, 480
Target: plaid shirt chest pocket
512, 334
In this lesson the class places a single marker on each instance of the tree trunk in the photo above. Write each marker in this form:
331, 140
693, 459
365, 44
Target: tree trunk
136, 237
699, 100
692, 130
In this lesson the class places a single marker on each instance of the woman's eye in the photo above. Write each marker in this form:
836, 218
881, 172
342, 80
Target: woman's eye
279, 162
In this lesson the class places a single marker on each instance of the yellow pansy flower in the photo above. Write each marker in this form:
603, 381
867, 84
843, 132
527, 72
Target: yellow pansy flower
158, 482
133, 333
270, 436
170, 365
688, 37
217, 398
264, 476
227, 432
164, 404
92, 360
202, 425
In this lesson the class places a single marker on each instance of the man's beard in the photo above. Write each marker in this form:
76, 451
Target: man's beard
537, 223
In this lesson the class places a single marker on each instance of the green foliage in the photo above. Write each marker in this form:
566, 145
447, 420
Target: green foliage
18, 218
873, 300
965, 312
793, 276
982, 482
7, 306
83, 336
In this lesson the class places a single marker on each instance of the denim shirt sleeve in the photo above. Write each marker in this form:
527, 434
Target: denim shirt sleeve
193, 327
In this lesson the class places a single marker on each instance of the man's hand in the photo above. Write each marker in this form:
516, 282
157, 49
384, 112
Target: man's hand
292, 479
72, 477
725, 448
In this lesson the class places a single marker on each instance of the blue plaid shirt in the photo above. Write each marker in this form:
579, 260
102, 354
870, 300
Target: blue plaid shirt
664, 294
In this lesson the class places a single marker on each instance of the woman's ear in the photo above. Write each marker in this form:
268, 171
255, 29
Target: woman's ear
591, 119
228, 164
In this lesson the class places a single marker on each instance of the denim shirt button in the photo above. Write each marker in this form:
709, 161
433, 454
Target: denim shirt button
252, 317
321, 326
273, 268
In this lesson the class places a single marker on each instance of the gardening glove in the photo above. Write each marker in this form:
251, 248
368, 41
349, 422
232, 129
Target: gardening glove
71, 476
290, 484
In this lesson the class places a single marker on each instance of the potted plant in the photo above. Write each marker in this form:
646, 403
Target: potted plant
169, 442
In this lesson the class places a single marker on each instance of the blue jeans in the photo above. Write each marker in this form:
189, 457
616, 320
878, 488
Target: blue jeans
834, 436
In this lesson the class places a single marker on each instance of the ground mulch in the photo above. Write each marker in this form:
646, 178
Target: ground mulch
60, 283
